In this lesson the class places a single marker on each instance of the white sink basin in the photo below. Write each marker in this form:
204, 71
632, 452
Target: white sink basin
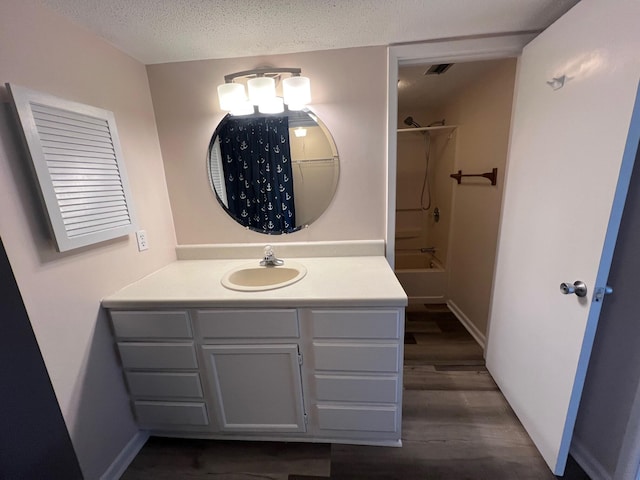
254, 278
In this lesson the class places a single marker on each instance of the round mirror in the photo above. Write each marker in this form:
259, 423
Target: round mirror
273, 173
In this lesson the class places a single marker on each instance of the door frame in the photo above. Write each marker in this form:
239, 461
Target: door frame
491, 48
463, 49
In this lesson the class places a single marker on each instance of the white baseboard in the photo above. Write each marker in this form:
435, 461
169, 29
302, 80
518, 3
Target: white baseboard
427, 299
126, 456
471, 328
589, 464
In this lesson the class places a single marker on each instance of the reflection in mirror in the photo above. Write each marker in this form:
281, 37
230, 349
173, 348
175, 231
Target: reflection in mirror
273, 173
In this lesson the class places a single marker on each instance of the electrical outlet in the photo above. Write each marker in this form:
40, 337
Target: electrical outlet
141, 237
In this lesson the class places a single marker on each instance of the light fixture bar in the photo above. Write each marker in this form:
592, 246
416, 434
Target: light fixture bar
261, 72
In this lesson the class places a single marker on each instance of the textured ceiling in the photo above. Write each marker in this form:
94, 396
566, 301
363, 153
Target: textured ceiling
160, 31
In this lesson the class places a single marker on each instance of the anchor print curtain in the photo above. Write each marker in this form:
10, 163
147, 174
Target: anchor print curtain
256, 161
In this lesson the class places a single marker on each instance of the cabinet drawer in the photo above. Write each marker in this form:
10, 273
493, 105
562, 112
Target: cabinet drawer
160, 324
358, 418
158, 355
164, 384
281, 323
171, 413
352, 388
363, 357
356, 323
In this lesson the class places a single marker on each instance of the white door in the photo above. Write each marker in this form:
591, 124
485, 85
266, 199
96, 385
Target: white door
256, 388
571, 152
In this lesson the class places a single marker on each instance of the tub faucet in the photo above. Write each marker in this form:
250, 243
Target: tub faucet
270, 259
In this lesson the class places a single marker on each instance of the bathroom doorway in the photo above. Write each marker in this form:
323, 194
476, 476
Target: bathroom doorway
453, 118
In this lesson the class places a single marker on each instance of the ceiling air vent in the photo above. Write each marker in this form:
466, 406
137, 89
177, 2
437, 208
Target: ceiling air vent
438, 69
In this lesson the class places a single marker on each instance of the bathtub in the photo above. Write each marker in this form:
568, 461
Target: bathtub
422, 276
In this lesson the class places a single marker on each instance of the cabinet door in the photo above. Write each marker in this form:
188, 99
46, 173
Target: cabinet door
256, 388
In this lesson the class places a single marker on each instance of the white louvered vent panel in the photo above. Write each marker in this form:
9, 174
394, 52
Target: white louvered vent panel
77, 160
82, 165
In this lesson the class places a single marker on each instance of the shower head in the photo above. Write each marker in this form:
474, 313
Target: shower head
409, 121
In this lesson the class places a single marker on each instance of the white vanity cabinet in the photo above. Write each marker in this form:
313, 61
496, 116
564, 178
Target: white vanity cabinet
158, 355
300, 374
252, 362
358, 372
319, 360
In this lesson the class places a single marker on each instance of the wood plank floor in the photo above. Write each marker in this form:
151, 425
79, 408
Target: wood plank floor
456, 426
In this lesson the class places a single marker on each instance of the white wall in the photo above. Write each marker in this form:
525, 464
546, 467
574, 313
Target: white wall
62, 292
482, 112
349, 93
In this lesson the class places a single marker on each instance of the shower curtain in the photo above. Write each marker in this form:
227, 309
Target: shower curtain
256, 161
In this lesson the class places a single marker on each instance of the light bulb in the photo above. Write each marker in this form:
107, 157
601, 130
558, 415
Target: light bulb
273, 105
243, 108
230, 95
261, 89
297, 92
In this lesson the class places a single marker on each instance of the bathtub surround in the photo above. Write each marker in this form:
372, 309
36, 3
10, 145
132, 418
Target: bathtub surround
422, 241
62, 292
416, 226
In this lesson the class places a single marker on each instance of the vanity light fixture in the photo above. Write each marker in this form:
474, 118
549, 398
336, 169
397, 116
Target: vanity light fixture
261, 83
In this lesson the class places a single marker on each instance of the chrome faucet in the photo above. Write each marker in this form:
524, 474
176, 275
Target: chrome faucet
270, 259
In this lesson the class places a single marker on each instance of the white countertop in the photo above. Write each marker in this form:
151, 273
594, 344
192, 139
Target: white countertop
330, 281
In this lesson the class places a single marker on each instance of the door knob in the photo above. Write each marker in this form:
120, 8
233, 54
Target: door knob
577, 287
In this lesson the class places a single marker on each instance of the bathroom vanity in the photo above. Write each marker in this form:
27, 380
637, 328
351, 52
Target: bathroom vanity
318, 360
